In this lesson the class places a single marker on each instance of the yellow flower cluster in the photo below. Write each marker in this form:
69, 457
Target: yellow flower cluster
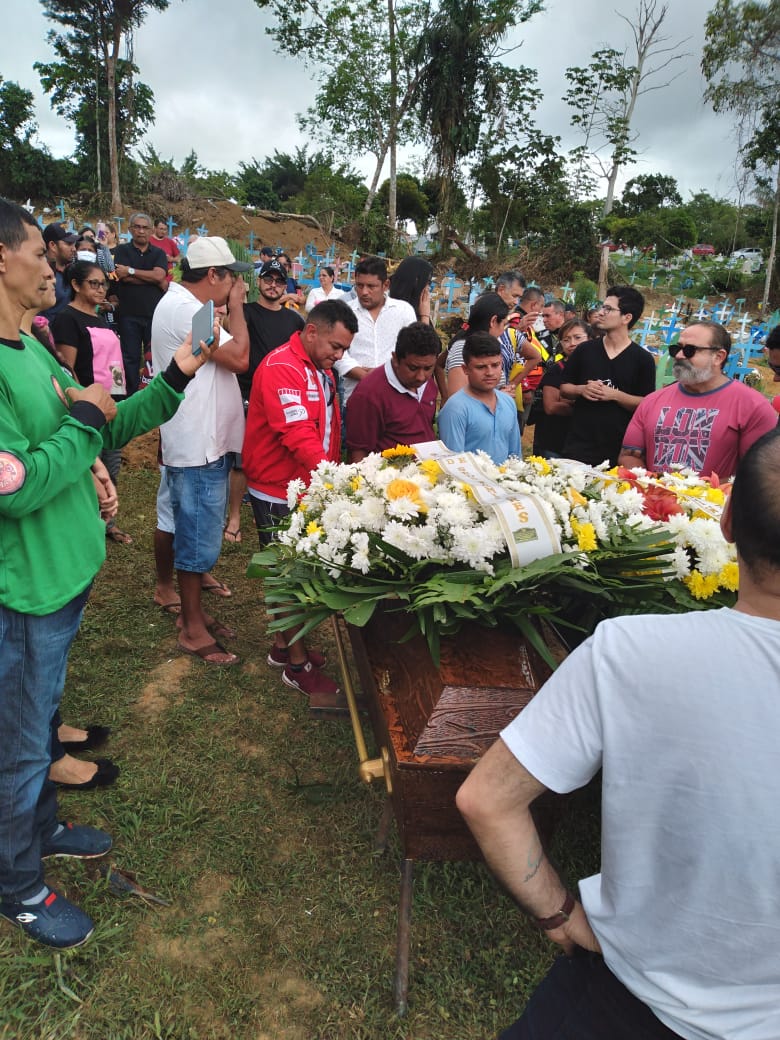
398, 452
542, 465
586, 536
703, 586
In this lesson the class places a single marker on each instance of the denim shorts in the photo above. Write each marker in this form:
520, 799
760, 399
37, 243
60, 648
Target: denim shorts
199, 501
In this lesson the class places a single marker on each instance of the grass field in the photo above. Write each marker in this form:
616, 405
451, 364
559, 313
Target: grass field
250, 819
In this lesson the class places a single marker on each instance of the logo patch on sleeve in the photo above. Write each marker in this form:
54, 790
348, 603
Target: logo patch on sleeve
12, 473
295, 413
289, 396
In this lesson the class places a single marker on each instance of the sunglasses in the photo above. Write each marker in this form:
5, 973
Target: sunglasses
688, 350
275, 281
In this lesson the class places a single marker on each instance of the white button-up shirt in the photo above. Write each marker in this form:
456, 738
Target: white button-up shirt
374, 341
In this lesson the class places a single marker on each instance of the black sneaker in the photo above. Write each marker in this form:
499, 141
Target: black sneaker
53, 921
77, 841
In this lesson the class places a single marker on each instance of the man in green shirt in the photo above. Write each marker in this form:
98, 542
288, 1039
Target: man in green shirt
51, 431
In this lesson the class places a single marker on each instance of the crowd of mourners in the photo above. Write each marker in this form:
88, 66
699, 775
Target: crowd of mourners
96, 348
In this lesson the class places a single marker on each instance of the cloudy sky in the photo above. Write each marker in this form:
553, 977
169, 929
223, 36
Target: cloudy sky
221, 89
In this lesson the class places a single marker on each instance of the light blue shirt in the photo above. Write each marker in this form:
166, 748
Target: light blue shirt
466, 424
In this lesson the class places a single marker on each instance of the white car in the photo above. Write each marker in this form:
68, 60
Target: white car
749, 253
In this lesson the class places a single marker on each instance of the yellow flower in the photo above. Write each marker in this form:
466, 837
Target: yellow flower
542, 465
398, 451
625, 486
729, 577
715, 495
467, 491
313, 528
402, 489
586, 536
355, 482
431, 469
302, 507
701, 586
576, 498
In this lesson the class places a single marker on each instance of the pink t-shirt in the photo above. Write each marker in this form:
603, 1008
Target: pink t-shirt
709, 432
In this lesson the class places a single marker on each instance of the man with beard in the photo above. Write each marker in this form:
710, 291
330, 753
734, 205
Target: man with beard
705, 420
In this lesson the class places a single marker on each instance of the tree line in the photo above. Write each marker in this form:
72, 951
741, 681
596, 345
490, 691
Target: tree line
400, 72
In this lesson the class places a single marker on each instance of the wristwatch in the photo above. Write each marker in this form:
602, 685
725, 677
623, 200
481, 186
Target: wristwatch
546, 924
131, 271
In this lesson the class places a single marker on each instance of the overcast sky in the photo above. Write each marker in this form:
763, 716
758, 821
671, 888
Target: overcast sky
221, 89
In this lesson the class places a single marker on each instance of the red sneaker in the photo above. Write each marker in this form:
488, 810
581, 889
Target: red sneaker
279, 657
309, 680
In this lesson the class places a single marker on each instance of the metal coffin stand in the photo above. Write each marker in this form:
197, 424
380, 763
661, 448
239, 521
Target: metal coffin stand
431, 725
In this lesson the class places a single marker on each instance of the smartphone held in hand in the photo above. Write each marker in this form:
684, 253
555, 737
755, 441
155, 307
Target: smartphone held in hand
203, 327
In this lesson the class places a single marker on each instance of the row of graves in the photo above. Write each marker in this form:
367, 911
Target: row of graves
453, 296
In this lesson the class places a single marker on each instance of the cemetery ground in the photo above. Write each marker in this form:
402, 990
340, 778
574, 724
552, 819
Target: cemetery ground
250, 819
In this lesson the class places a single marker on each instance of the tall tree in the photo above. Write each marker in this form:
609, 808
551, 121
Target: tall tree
462, 82
741, 61
604, 96
362, 54
103, 28
649, 191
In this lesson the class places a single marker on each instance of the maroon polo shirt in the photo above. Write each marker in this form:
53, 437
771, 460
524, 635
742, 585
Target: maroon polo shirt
379, 416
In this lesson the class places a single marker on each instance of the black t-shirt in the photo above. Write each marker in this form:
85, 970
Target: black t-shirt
597, 427
267, 330
139, 301
71, 327
551, 430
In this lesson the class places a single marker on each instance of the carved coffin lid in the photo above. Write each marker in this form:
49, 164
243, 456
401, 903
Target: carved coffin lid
448, 717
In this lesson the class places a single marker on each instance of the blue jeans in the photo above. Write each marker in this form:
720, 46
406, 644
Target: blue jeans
135, 336
199, 501
580, 999
33, 660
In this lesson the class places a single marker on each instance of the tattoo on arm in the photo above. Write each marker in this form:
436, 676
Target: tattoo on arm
535, 856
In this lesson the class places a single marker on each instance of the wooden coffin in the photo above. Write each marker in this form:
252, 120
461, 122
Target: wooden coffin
435, 723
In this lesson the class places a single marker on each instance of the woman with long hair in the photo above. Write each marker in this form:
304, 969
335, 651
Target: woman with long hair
411, 281
489, 313
92, 349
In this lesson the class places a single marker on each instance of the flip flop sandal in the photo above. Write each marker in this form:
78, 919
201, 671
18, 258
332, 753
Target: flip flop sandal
219, 588
208, 651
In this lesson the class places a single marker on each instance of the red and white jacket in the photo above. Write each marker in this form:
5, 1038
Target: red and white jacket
286, 421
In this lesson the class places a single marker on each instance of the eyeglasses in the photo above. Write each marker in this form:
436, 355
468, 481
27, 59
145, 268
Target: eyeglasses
689, 350
607, 309
93, 283
274, 281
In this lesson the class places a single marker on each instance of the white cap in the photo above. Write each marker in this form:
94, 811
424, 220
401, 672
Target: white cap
213, 252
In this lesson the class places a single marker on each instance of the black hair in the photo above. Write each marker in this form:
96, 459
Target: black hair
79, 272
14, 220
773, 339
488, 305
373, 266
409, 279
328, 270
333, 312
480, 344
574, 323
755, 505
417, 338
192, 275
630, 301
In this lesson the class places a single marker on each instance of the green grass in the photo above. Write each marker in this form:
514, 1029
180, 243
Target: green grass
252, 821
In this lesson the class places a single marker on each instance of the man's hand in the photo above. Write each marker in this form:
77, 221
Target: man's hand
122, 271
593, 390
108, 500
237, 296
188, 362
575, 932
95, 394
